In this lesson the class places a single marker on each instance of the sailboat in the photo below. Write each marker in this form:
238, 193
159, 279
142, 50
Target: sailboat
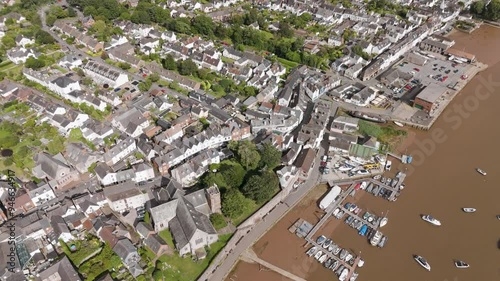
384, 220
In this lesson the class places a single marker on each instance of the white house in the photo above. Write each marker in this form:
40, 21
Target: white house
42, 194
70, 61
23, 41
19, 55
63, 85
121, 150
125, 196
103, 74
131, 122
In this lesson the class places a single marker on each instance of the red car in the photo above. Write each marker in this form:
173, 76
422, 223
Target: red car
416, 69
444, 78
323, 164
408, 87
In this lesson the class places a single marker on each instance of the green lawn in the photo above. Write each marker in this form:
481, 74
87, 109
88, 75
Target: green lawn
254, 207
185, 269
288, 64
5, 65
84, 249
167, 236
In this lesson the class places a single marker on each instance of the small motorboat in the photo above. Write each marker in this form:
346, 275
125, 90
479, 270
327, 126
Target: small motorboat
323, 258
431, 220
328, 263
354, 276
498, 217
383, 221
349, 257
343, 254
382, 242
421, 260
339, 270
311, 251
321, 240
327, 243
334, 265
377, 177
335, 212
376, 238
482, 172
402, 186
399, 124
337, 250
318, 255
361, 262
343, 275
469, 210
461, 264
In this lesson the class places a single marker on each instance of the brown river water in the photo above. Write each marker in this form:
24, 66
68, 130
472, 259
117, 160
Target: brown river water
441, 181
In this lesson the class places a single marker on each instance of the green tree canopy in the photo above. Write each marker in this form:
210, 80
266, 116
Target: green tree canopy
270, 156
234, 203
261, 187
187, 67
169, 62
233, 175
247, 154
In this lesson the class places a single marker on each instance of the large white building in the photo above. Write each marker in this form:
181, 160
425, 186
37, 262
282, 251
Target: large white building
125, 196
121, 150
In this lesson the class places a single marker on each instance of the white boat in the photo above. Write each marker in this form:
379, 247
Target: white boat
327, 243
318, 255
345, 168
402, 186
331, 247
388, 165
354, 276
343, 275
335, 212
469, 210
323, 258
498, 217
461, 264
343, 254
377, 177
399, 124
334, 265
376, 238
349, 257
431, 220
361, 262
482, 172
311, 251
337, 250
384, 220
422, 262
321, 240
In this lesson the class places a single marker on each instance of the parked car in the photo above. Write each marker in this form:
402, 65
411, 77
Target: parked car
416, 69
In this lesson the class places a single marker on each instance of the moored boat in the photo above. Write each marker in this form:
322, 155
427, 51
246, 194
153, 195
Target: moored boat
461, 264
361, 262
337, 250
399, 124
343, 274
323, 258
431, 220
311, 251
469, 210
343, 254
321, 240
349, 257
318, 255
327, 243
376, 238
423, 262
328, 263
334, 265
354, 276
383, 221
498, 217
482, 172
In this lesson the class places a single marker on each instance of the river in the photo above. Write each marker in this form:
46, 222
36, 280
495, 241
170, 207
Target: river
441, 181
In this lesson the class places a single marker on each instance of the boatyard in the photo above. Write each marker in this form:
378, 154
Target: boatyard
341, 261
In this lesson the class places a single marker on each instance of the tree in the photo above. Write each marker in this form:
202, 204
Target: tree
71, 12
248, 155
477, 8
8, 42
169, 63
140, 16
261, 187
33, 63
124, 65
234, 203
285, 30
203, 25
233, 175
42, 37
218, 221
144, 86
270, 156
187, 67
154, 77
492, 11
